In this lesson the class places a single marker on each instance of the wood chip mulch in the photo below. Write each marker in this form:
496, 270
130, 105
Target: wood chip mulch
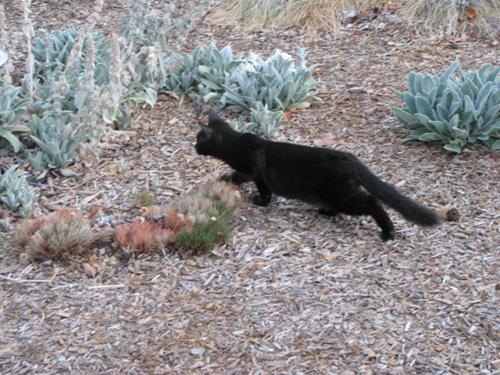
291, 291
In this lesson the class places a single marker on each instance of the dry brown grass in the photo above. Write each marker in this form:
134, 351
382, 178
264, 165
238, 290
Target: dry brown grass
59, 235
451, 16
143, 236
436, 16
319, 15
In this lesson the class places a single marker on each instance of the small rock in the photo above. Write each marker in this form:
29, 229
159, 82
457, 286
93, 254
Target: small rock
197, 351
47, 263
89, 270
350, 16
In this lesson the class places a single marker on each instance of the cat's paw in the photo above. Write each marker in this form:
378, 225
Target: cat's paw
387, 235
259, 201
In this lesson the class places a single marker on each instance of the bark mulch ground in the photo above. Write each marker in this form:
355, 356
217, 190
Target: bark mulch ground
291, 291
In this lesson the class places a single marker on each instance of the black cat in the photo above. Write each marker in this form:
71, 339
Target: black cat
332, 180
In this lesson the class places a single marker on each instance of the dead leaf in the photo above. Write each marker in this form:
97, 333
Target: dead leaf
329, 141
89, 270
68, 172
93, 211
471, 14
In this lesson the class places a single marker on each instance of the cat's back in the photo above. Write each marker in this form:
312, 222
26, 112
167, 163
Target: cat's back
305, 172
295, 153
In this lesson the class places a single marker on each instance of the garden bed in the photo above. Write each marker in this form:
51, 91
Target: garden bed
290, 291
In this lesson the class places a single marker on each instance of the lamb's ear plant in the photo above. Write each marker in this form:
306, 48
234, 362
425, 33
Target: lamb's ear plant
12, 103
12, 107
57, 141
262, 121
454, 109
277, 82
263, 89
52, 51
29, 33
5, 63
15, 192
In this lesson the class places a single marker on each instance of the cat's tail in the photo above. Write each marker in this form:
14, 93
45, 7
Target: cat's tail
407, 207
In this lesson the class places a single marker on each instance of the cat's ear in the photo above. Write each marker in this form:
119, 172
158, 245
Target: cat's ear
213, 118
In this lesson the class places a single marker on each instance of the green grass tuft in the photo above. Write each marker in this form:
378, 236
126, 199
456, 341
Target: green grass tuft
205, 235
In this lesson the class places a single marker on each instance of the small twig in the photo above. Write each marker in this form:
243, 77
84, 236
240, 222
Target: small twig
92, 197
290, 238
111, 286
24, 281
26, 270
174, 189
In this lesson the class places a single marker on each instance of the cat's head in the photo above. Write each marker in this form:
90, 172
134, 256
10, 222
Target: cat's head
210, 137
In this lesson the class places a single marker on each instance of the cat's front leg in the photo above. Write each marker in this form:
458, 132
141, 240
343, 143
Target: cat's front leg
265, 194
236, 178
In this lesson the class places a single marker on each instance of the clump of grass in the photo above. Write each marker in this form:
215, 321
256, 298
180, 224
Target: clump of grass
58, 236
205, 235
445, 16
201, 204
313, 15
143, 236
212, 206
145, 198
169, 217
194, 224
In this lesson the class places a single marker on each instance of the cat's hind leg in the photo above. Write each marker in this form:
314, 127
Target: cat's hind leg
361, 203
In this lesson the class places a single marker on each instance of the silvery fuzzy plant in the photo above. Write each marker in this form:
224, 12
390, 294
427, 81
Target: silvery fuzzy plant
29, 33
453, 109
205, 70
146, 26
263, 88
57, 140
52, 51
72, 87
5, 63
15, 192
147, 37
72, 75
12, 103
140, 57
131, 84
128, 69
276, 82
263, 121
12, 107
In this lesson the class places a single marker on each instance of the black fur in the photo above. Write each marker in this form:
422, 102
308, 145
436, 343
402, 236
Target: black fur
330, 179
